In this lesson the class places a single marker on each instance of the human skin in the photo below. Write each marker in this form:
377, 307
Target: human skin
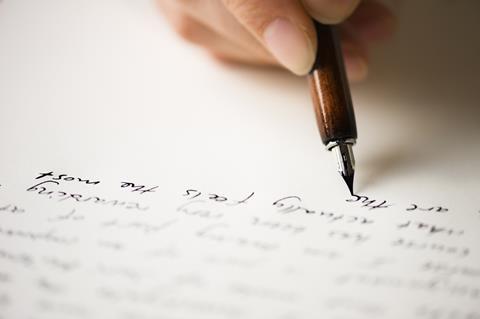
280, 32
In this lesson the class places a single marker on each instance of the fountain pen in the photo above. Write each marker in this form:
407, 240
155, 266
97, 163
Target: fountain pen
332, 101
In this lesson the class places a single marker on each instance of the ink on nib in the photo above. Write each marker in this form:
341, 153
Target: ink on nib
349, 181
345, 162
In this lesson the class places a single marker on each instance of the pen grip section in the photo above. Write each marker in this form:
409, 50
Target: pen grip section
329, 89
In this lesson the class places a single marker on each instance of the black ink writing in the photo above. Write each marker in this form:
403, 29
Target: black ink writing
429, 246
433, 285
16, 258
280, 226
193, 194
192, 208
49, 286
445, 269
218, 233
71, 216
438, 312
357, 238
430, 228
44, 188
65, 177
143, 227
316, 252
60, 264
12, 209
48, 236
134, 188
291, 204
366, 202
111, 244
432, 209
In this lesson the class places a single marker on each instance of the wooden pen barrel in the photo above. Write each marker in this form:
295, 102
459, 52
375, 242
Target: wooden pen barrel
329, 89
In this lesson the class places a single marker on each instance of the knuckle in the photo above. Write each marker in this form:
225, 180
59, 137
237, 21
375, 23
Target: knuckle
248, 13
184, 3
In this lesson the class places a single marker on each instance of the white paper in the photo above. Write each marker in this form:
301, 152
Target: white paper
140, 179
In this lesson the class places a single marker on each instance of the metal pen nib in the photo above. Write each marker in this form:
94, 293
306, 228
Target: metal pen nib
345, 161
332, 101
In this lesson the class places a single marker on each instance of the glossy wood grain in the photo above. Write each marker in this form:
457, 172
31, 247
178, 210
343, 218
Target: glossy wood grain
329, 89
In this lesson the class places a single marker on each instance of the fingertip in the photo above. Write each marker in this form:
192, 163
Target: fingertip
290, 45
373, 21
283, 27
356, 62
330, 11
357, 68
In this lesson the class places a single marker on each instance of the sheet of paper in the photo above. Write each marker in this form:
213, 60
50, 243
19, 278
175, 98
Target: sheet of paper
140, 179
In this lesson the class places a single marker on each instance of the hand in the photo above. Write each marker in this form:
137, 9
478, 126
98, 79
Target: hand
280, 32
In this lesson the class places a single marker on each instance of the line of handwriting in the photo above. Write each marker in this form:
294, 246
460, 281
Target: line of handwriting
196, 194
292, 204
45, 188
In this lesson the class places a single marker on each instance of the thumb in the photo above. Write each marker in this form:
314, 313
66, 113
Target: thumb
282, 26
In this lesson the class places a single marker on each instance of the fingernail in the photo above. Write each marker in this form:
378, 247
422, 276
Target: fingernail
290, 46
